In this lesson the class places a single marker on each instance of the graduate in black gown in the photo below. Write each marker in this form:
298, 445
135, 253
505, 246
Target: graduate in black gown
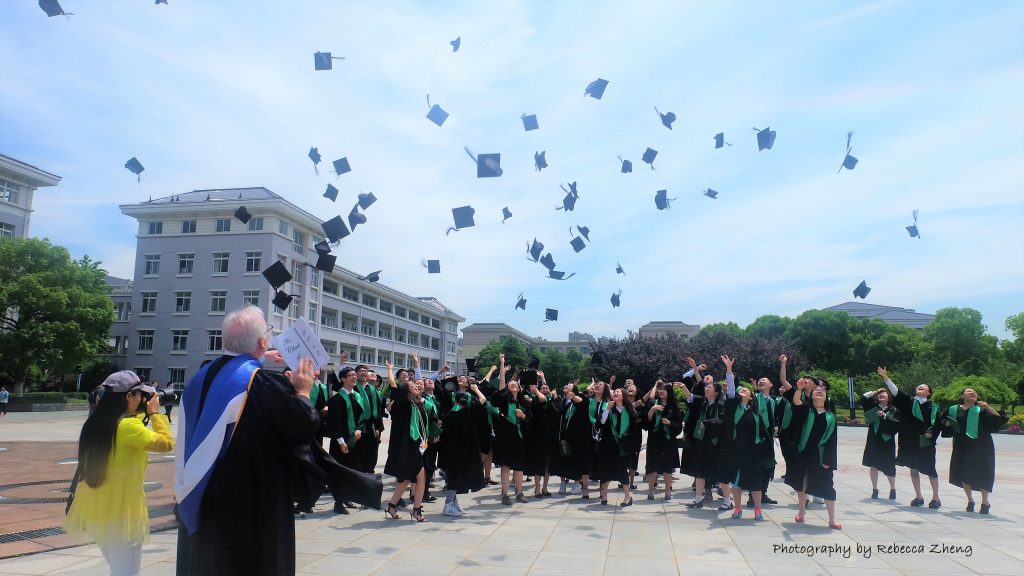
972, 465
815, 459
615, 443
345, 426
510, 413
705, 422
638, 427
575, 440
485, 425
597, 395
408, 442
784, 413
747, 452
880, 446
373, 401
663, 421
459, 453
432, 403
919, 428
767, 406
542, 437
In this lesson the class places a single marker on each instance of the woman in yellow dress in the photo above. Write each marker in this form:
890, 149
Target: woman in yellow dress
109, 503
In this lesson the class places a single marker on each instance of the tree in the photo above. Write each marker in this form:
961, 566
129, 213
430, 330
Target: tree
725, 327
1014, 349
874, 343
957, 336
515, 352
989, 390
768, 326
56, 311
823, 337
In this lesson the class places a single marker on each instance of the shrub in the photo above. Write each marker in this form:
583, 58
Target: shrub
1017, 420
989, 390
50, 398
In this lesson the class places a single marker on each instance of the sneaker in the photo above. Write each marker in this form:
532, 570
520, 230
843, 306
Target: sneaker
917, 502
505, 500
935, 504
577, 489
737, 513
563, 489
695, 504
451, 510
522, 498
874, 493
458, 507
725, 505
758, 516
892, 494
430, 498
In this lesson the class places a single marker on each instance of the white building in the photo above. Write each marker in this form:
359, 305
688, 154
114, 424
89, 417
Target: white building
888, 314
18, 183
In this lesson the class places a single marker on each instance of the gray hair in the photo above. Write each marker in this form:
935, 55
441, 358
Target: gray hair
243, 329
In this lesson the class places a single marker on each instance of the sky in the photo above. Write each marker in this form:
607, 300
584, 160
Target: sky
224, 95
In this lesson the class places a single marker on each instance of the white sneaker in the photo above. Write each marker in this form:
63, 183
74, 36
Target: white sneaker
451, 510
564, 488
726, 505
819, 500
458, 507
577, 490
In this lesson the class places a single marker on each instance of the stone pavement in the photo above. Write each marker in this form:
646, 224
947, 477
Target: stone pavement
565, 535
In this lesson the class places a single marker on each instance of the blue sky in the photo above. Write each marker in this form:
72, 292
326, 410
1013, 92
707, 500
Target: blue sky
223, 94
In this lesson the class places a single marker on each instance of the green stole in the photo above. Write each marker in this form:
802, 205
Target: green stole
596, 406
416, 428
372, 398
875, 420
699, 431
512, 417
830, 428
763, 404
973, 413
431, 405
620, 423
318, 390
916, 411
347, 397
657, 423
364, 414
757, 422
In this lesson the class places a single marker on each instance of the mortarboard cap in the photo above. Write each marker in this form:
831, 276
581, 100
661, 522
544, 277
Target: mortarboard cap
559, 275
277, 274
372, 277
471, 364
720, 140
325, 261
432, 266
341, 166
488, 166
765, 139
324, 60
463, 218
619, 270
596, 88
366, 200
912, 229
584, 231
530, 122
455, 48
505, 214
282, 300
314, 155
164, 2
134, 166
437, 115
577, 244
52, 8
355, 218
849, 162
711, 194
569, 202
550, 315
520, 302
862, 290
649, 155
615, 299
534, 249
242, 214
331, 193
548, 261
322, 247
334, 229
627, 166
661, 200
666, 119
539, 160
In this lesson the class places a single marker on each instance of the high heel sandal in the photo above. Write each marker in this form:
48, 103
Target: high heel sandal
798, 519
417, 515
388, 512
835, 526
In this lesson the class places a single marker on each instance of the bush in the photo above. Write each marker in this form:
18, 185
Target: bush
1014, 428
1017, 420
989, 390
51, 398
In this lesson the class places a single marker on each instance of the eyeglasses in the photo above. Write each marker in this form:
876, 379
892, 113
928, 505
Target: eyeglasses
270, 327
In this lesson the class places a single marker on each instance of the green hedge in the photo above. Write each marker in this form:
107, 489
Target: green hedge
51, 398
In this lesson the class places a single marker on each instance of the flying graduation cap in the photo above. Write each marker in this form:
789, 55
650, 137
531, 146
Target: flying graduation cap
456, 43
242, 214
52, 8
571, 195
720, 140
661, 200
432, 266
584, 231
627, 166
334, 229
539, 161
331, 193
135, 167
577, 243
314, 155
548, 261
666, 119
520, 302
551, 315
277, 275
505, 214
849, 162
558, 275
615, 299
463, 218
619, 270
711, 194
325, 261
341, 166
324, 60
765, 138
355, 218
912, 229
366, 200
164, 2
487, 165
862, 290
596, 88
437, 115
282, 300
372, 277
649, 155
530, 122
534, 250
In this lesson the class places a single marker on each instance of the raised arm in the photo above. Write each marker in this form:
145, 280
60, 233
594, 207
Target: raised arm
501, 371
885, 378
730, 379
798, 397
490, 373
782, 373
391, 375
479, 395
686, 389
416, 363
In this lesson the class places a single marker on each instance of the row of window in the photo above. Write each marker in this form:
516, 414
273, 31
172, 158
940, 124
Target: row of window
329, 318
10, 191
187, 262
183, 300
369, 300
179, 340
255, 224
580, 349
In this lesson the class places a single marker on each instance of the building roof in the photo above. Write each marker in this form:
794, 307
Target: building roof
890, 314
36, 176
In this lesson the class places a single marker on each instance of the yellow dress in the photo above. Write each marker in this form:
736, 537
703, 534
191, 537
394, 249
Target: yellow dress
115, 512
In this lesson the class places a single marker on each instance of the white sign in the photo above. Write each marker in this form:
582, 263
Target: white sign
300, 342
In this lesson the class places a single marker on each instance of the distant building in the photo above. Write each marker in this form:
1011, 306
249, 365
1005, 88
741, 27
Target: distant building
195, 262
18, 183
888, 314
480, 334
666, 327
120, 290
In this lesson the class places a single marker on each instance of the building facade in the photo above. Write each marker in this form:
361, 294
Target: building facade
666, 327
18, 183
888, 314
120, 290
195, 262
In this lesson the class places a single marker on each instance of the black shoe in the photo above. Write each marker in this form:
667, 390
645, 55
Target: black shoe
970, 506
766, 500
632, 486
401, 503
626, 503
430, 498
492, 483
917, 502
604, 502
339, 508
505, 500
750, 502
892, 494
695, 504
874, 493
935, 504
985, 508
650, 496
522, 498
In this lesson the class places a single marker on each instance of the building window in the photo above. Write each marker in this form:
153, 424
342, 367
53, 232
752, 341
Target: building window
214, 341
330, 346
177, 376
349, 323
330, 287
369, 327
433, 364
311, 313
399, 360
349, 294
156, 228
451, 328
399, 311
414, 338
9, 191
143, 373
450, 347
220, 262
251, 298
369, 300
400, 335
383, 357
384, 331
298, 241
148, 302
425, 320
6, 230
145, 340
385, 306
182, 302
329, 318
298, 272
314, 278
253, 261
435, 344
179, 340
152, 264
256, 223
414, 316
188, 226
424, 341
186, 263
435, 323
223, 224
295, 310
282, 227
218, 301
122, 311
367, 355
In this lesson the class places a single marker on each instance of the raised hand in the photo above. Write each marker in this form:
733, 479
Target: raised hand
611, 380
519, 414
728, 362
691, 362
883, 373
702, 367
783, 359
344, 356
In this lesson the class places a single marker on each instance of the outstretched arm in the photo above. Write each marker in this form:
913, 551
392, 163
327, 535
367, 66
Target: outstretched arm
501, 371
885, 377
391, 375
782, 373
730, 379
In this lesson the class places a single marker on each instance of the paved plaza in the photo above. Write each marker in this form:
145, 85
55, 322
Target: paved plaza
566, 535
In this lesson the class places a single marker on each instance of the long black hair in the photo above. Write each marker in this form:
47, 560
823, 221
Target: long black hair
96, 441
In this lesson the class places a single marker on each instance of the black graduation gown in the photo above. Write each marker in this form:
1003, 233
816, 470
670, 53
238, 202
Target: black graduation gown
336, 426
808, 463
636, 428
911, 454
973, 461
404, 458
246, 522
742, 460
784, 412
485, 422
542, 445
509, 439
612, 457
368, 447
701, 459
459, 454
575, 430
662, 452
880, 452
